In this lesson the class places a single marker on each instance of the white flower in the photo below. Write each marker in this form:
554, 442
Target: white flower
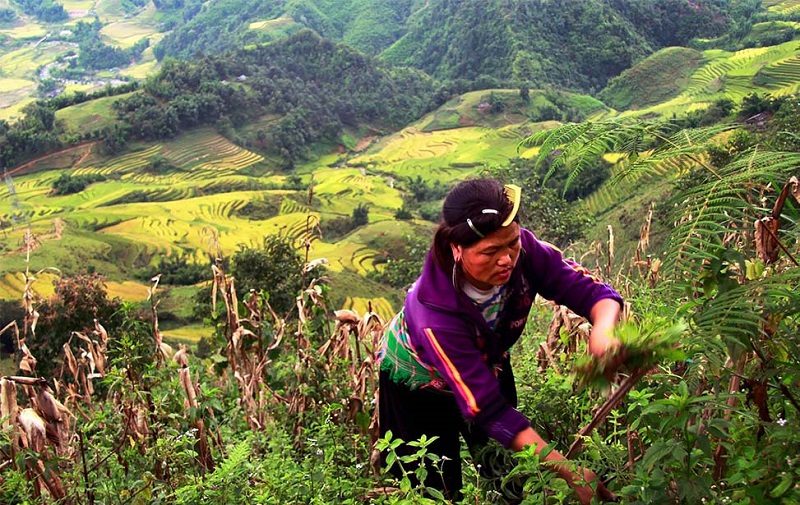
319, 452
782, 422
359, 466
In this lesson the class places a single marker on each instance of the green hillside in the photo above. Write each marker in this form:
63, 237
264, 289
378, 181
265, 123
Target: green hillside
97, 44
270, 128
659, 77
722, 74
523, 40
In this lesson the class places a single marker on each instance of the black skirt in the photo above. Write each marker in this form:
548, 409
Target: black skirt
410, 413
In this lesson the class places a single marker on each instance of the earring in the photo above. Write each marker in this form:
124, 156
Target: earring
455, 266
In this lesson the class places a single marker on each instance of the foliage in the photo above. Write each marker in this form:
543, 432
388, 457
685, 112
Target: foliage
77, 302
177, 270
403, 266
314, 99
46, 10
547, 43
643, 346
67, 184
7, 15
36, 132
275, 266
96, 55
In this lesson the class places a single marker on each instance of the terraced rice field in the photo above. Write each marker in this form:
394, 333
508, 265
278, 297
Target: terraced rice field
13, 284
782, 74
341, 189
443, 155
772, 69
783, 6
361, 306
28, 30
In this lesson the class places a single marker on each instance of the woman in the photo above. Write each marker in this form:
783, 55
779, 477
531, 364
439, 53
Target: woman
445, 368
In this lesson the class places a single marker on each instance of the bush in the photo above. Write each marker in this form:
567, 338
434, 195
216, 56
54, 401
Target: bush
276, 267
403, 213
68, 184
78, 300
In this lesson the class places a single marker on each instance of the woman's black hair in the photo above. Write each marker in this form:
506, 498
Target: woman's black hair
472, 209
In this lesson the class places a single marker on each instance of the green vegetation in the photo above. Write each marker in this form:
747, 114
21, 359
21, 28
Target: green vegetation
273, 156
314, 99
67, 184
46, 10
637, 87
7, 15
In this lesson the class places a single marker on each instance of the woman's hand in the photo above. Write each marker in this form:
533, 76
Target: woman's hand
578, 480
604, 316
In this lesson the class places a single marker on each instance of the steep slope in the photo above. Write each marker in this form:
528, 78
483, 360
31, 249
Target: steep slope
677, 80
367, 25
655, 79
575, 44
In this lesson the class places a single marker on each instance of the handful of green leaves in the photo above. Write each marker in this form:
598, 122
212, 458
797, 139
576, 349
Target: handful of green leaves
644, 345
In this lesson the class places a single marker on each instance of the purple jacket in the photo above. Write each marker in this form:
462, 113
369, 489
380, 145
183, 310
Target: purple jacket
449, 333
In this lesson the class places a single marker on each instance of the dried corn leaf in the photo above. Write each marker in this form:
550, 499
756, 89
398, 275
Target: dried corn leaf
8, 401
33, 428
347, 316
180, 357
766, 239
70, 361
188, 387
101, 332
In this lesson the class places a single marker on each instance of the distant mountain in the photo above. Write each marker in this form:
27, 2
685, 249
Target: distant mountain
367, 25
578, 44
575, 44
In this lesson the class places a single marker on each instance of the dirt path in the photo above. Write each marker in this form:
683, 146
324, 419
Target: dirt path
22, 169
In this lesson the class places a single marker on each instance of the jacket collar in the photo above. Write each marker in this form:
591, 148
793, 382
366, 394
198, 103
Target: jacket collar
435, 289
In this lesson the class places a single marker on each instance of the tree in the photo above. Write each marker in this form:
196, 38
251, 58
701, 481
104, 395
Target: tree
360, 215
525, 94
276, 267
78, 300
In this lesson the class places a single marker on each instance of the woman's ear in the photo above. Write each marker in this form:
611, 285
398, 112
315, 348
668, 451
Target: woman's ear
457, 252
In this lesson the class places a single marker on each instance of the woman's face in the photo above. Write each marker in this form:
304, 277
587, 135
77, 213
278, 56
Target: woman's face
489, 262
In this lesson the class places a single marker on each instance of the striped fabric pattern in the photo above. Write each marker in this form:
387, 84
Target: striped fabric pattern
399, 358
453, 372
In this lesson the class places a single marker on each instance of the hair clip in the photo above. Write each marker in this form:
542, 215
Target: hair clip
490, 211
469, 222
514, 195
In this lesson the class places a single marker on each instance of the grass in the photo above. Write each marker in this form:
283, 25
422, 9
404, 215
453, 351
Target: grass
14, 111
27, 30
141, 70
88, 116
